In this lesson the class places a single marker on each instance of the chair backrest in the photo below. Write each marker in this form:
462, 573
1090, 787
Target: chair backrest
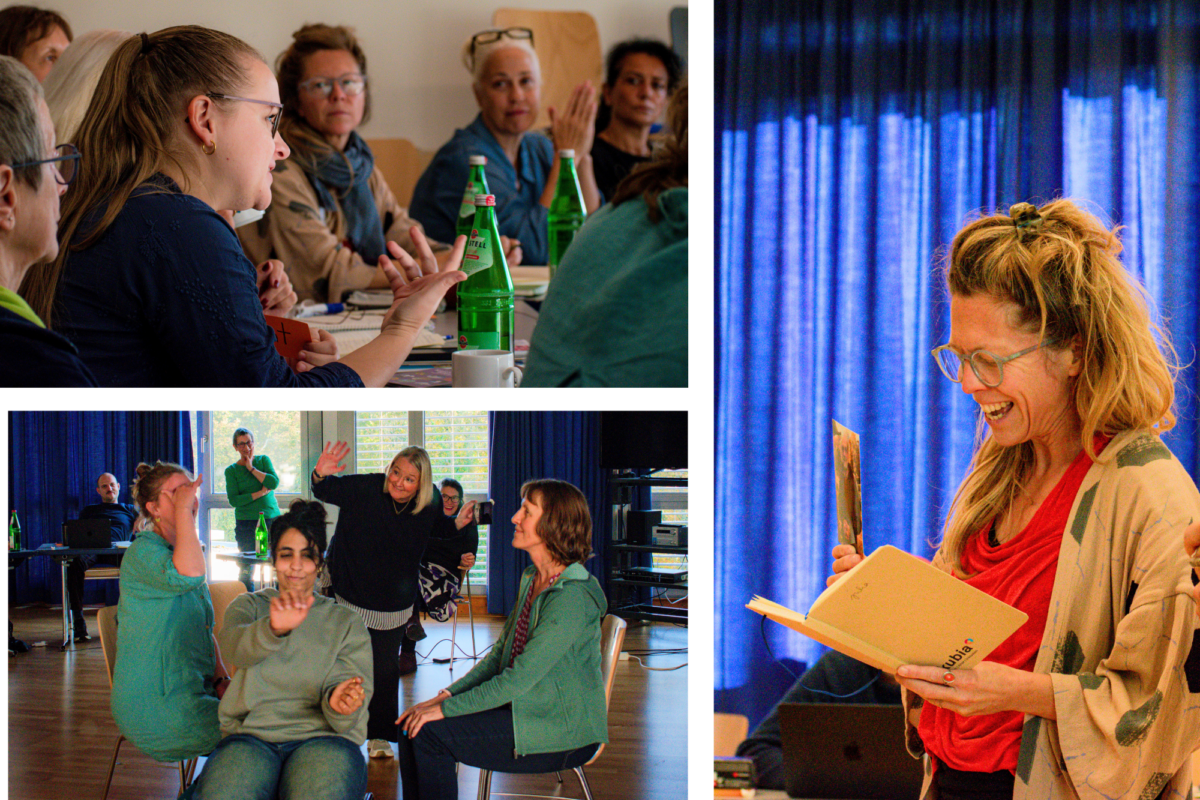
107, 619
568, 48
401, 163
223, 593
612, 638
729, 730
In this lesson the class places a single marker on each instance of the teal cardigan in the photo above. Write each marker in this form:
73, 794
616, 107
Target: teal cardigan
555, 685
240, 484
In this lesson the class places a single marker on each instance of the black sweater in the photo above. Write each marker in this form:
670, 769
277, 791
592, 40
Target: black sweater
376, 553
34, 356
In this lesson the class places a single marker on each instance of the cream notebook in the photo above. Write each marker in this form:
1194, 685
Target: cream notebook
893, 609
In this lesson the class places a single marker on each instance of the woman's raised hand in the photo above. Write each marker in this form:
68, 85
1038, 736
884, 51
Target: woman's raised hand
288, 610
330, 460
574, 127
466, 515
184, 498
419, 284
347, 696
844, 557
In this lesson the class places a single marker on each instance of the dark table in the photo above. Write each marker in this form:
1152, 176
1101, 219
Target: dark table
64, 556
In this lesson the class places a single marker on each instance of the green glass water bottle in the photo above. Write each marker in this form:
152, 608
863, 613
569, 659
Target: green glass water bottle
567, 210
262, 539
485, 299
476, 185
14, 532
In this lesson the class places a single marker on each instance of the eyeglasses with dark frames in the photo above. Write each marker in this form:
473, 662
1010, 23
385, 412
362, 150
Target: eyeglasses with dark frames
450, 498
487, 37
65, 164
274, 117
987, 366
352, 83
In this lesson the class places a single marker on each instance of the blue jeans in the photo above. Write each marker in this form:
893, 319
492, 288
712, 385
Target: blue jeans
246, 767
483, 740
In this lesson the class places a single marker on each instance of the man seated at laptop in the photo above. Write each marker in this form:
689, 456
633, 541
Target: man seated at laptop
121, 517
835, 679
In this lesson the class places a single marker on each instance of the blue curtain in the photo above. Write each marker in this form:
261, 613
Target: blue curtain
527, 445
54, 460
853, 140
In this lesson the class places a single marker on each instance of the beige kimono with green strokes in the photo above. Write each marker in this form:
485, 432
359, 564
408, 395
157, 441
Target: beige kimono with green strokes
1118, 639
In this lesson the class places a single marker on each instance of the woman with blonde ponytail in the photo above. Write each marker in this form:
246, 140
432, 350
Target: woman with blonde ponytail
1072, 511
150, 282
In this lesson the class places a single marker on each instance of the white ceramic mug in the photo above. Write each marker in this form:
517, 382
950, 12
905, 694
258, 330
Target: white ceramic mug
489, 369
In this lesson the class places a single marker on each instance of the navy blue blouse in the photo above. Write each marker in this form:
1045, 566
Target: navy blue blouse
167, 298
519, 211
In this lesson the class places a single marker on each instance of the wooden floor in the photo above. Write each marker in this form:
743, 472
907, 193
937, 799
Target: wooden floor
61, 734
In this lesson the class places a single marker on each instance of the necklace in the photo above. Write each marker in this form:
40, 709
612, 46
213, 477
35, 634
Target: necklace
398, 509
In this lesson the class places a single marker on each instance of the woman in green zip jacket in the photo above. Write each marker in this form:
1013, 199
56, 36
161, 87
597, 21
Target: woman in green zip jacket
535, 703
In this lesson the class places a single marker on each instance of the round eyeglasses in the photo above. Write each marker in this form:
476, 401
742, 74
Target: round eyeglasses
65, 164
988, 367
352, 84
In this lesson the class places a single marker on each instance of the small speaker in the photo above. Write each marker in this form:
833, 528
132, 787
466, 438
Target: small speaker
639, 524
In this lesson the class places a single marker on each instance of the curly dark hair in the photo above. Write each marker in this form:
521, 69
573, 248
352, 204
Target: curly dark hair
308, 518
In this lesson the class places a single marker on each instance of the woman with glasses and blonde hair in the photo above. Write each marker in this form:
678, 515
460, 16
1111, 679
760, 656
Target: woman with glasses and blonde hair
1072, 511
374, 560
169, 677
522, 167
151, 282
535, 702
332, 215
33, 176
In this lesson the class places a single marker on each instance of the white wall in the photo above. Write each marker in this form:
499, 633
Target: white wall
420, 90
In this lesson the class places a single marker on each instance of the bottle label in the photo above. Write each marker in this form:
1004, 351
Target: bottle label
467, 209
479, 255
480, 340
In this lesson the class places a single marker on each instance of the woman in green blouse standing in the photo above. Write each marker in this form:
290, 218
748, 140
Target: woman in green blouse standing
250, 484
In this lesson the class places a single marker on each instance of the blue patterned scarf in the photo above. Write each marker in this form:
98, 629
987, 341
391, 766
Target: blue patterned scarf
363, 226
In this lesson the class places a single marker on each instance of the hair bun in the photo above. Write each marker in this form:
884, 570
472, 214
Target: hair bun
311, 512
143, 469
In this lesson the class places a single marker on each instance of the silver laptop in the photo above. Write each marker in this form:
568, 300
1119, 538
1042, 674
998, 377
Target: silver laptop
843, 751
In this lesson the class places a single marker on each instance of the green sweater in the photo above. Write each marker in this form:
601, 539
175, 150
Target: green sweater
281, 690
240, 483
555, 685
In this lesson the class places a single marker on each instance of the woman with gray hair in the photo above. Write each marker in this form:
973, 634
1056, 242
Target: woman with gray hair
522, 170
33, 175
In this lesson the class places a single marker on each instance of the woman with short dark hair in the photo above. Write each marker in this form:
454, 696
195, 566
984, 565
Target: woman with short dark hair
640, 76
537, 698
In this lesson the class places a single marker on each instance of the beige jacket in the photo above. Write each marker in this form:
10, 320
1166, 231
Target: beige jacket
1118, 639
309, 242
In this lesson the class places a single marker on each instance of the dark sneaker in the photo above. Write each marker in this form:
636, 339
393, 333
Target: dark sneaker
413, 630
408, 663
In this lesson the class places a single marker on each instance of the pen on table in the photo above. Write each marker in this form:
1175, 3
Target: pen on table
318, 309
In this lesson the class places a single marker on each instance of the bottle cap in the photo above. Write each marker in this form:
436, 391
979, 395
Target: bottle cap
566, 153
485, 199
477, 161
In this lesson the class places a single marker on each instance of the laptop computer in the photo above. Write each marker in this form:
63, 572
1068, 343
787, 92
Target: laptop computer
847, 751
88, 534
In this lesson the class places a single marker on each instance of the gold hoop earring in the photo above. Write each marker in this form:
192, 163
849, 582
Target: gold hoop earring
210, 148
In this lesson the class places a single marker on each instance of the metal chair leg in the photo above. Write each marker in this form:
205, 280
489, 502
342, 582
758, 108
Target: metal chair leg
587, 790
559, 776
112, 766
485, 784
